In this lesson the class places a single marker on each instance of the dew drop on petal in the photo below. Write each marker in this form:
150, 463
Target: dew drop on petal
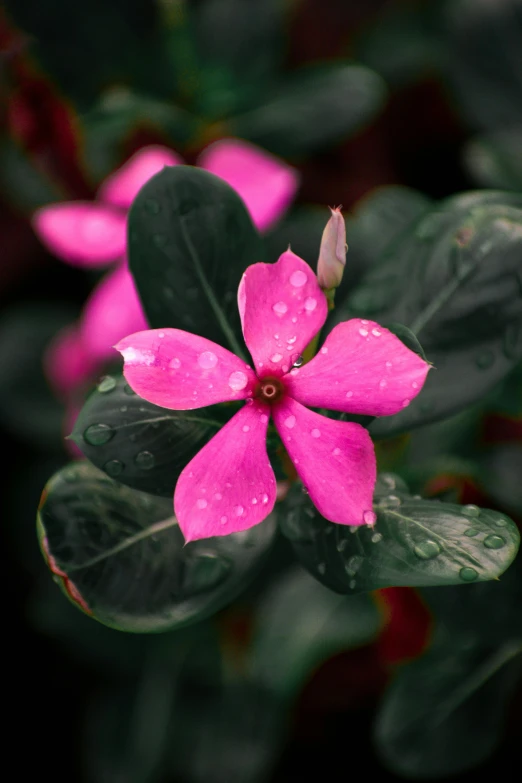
324, 350
264, 418
291, 340
310, 304
363, 332
276, 358
265, 498
349, 394
161, 335
369, 517
298, 279
280, 308
294, 320
201, 503
290, 422
254, 501
316, 433
415, 385
239, 511
218, 496
237, 380
389, 365
223, 520
383, 384
246, 428
405, 403
336, 452
363, 321
376, 332
207, 360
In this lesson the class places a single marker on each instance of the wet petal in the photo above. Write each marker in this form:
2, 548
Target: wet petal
281, 308
229, 485
82, 233
182, 371
334, 459
266, 184
67, 363
121, 188
361, 368
112, 311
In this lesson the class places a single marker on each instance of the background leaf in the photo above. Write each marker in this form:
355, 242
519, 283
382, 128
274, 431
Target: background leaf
190, 240
414, 542
140, 444
120, 555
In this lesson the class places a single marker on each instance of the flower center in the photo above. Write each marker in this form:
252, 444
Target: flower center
269, 390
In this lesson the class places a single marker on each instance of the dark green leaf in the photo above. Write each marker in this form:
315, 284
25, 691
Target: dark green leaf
414, 542
495, 159
300, 624
190, 240
28, 407
444, 713
500, 471
455, 281
120, 555
315, 106
25, 186
138, 443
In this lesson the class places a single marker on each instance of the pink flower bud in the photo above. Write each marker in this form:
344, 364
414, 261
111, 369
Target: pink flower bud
332, 254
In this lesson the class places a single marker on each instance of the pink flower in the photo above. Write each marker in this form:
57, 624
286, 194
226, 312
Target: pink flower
361, 368
93, 234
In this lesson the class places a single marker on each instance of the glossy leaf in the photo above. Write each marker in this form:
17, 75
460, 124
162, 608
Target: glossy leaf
414, 542
463, 301
315, 106
444, 713
139, 443
190, 240
495, 159
120, 556
300, 624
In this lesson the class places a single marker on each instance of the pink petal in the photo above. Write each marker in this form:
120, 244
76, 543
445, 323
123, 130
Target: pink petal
121, 188
281, 308
112, 311
266, 184
334, 459
67, 363
229, 485
81, 232
361, 368
182, 371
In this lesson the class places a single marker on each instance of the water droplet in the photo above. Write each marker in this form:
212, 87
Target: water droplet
254, 501
336, 452
415, 385
376, 332
276, 358
310, 304
494, 542
201, 503
315, 433
349, 394
405, 403
237, 380
470, 510
292, 340
294, 319
161, 335
207, 360
290, 422
369, 517
364, 321
353, 564
352, 584
175, 363
389, 481
501, 522
107, 384
363, 332
427, 550
113, 467
341, 545
246, 428
263, 418
298, 279
218, 496
321, 567
265, 498
389, 365
484, 360
280, 308
324, 350
471, 532
98, 434
376, 538
383, 384
468, 574
145, 460
223, 520
392, 501
239, 511
127, 389
152, 206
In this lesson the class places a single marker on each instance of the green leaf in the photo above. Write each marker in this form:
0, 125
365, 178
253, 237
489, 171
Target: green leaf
444, 713
463, 300
120, 555
499, 470
414, 542
314, 107
190, 240
141, 444
299, 625
495, 159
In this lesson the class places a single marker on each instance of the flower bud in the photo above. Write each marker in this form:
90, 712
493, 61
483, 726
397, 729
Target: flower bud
332, 254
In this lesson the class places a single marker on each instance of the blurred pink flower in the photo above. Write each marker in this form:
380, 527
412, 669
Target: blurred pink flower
93, 234
362, 368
